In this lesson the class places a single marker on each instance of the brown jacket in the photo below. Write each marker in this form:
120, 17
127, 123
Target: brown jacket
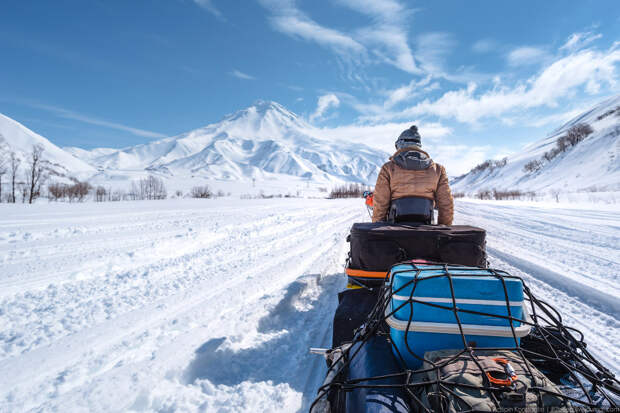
411, 172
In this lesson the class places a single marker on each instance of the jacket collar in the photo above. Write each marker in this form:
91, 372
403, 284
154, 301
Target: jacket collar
408, 149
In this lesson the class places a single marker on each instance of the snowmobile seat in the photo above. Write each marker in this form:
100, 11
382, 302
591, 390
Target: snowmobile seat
411, 209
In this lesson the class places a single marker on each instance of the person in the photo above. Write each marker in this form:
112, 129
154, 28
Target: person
412, 172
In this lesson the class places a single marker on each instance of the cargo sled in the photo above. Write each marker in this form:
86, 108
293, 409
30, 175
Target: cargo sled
425, 326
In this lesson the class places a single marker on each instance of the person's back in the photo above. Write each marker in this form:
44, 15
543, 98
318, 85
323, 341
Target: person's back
411, 172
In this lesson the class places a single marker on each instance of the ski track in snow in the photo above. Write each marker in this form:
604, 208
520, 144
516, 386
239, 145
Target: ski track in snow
211, 305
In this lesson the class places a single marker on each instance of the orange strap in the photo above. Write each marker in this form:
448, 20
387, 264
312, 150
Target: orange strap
510, 373
365, 274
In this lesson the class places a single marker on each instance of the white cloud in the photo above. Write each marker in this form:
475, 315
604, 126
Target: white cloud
457, 158
239, 74
484, 46
325, 102
526, 55
587, 69
384, 38
408, 91
210, 7
383, 136
432, 50
288, 19
387, 35
579, 40
68, 114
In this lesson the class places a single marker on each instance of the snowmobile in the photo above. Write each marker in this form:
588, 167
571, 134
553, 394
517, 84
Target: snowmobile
426, 326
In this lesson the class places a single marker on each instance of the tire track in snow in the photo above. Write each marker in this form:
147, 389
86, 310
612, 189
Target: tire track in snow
600, 300
183, 305
106, 297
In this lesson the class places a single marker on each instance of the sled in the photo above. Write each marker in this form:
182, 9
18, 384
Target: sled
430, 336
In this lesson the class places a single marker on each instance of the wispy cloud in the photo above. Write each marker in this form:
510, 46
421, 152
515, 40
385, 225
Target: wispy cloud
209, 6
239, 74
324, 103
432, 50
579, 40
408, 91
69, 114
588, 69
526, 55
288, 19
384, 38
387, 35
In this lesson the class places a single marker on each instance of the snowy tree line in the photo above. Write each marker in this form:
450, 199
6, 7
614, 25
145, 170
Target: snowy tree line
24, 179
573, 136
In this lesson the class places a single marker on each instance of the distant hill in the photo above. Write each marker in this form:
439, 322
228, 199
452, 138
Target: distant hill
16, 138
592, 164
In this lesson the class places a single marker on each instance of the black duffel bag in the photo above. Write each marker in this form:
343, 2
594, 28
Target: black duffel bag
377, 246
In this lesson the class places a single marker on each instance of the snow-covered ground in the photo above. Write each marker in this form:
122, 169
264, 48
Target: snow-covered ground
211, 305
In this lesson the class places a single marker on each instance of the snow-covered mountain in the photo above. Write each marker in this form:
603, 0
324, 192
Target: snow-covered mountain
263, 141
16, 138
592, 164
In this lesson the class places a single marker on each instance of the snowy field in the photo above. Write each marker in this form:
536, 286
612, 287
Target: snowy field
211, 305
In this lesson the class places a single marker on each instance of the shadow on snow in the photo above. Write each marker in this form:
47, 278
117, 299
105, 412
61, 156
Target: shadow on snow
285, 358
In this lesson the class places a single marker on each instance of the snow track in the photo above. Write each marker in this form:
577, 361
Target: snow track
211, 305
568, 255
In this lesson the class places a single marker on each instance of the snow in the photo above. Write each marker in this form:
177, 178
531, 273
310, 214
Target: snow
15, 137
211, 305
593, 164
262, 142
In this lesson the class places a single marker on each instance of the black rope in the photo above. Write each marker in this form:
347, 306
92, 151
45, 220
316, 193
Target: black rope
560, 346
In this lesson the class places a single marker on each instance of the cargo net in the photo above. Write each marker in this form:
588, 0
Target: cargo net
581, 382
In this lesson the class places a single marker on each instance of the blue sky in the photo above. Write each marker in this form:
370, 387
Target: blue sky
481, 78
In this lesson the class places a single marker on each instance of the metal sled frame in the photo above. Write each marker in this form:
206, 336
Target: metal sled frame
559, 346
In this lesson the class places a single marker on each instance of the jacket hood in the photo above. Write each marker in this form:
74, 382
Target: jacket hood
412, 158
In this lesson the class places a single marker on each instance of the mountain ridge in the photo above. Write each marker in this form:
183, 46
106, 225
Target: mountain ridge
255, 142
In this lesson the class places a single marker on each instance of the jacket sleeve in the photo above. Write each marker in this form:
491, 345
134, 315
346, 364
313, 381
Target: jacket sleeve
443, 199
382, 196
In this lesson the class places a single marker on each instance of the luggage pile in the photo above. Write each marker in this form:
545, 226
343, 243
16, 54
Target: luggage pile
426, 326
449, 338
375, 247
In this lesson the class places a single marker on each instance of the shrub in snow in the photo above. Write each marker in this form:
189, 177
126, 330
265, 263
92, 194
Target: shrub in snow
348, 191
149, 188
491, 165
532, 166
201, 192
486, 194
74, 192
574, 135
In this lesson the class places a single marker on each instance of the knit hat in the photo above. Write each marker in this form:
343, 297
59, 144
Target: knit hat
409, 137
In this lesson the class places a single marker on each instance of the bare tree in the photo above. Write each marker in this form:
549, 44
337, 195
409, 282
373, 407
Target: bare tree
3, 162
148, 188
35, 173
100, 194
56, 191
23, 190
14, 167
